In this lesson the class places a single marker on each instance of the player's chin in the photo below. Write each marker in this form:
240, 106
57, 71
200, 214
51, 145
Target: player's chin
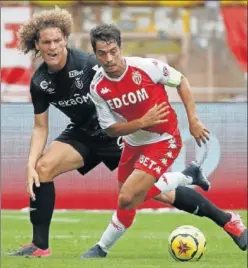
112, 72
52, 60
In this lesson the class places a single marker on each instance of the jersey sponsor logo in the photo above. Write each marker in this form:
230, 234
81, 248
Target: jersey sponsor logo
105, 90
75, 73
79, 84
128, 99
44, 84
136, 76
78, 99
151, 164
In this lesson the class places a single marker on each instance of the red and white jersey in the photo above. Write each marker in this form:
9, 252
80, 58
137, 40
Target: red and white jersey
131, 95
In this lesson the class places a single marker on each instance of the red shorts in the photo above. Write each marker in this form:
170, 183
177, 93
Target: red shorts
154, 159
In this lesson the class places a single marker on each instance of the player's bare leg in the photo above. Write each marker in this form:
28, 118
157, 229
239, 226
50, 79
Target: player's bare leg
122, 219
59, 158
183, 198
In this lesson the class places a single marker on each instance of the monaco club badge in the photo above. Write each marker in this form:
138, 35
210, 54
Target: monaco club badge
136, 77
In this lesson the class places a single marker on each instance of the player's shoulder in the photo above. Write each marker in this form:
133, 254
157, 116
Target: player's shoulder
39, 74
97, 79
137, 61
40, 70
146, 64
78, 53
82, 59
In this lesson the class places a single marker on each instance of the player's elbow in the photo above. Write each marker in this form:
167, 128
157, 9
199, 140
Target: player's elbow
112, 132
183, 84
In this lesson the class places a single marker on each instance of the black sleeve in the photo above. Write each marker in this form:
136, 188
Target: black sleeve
39, 99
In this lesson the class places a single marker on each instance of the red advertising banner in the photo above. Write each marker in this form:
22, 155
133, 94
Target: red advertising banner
15, 67
225, 162
235, 20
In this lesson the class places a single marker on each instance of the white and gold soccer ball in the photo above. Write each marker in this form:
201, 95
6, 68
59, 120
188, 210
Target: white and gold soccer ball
187, 243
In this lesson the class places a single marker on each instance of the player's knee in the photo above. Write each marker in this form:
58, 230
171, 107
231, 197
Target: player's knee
125, 200
44, 169
167, 198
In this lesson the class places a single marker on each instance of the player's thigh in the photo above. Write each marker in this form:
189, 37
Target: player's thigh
59, 158
84, 158
137, 184
120, 184
126, 163
109, 151
157, 158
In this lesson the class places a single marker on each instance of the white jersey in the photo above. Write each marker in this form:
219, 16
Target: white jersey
131, 95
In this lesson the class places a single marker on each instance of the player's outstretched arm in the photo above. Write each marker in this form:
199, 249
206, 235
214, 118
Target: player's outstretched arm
197, 129
37, 145
167, 75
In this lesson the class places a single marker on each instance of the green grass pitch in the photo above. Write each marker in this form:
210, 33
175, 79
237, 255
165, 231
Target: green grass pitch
144, 245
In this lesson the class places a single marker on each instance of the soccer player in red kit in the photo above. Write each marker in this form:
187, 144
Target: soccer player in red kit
131, 101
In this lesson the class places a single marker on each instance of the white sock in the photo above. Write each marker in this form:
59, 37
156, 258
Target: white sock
169, 181
112, 234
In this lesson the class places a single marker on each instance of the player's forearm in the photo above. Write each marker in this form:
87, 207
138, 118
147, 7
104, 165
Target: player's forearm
37, 145
185, 94
124, 128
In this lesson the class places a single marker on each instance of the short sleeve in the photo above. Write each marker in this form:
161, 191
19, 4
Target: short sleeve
105, 115
167, 75
39, 99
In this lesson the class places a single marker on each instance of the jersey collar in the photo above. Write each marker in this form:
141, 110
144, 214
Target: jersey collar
120, 77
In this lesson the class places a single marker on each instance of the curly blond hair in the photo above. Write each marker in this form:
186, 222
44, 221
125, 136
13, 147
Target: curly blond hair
29, 31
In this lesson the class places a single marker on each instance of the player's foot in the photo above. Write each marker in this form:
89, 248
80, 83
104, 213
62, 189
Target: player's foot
195, 172
237, 230
95, 252
31, 251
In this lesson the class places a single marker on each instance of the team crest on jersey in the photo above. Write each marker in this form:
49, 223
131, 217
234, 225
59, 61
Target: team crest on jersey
79, 83
136, 76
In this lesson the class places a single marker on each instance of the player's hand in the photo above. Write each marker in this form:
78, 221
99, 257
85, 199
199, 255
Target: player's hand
156, 115
199, 132
33, 178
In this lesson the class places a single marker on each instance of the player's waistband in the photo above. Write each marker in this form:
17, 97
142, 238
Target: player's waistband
143, 137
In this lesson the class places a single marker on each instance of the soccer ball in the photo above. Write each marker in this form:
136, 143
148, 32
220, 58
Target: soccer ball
187, 243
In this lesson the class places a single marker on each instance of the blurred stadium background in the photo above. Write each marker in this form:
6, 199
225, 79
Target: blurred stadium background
206, 40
